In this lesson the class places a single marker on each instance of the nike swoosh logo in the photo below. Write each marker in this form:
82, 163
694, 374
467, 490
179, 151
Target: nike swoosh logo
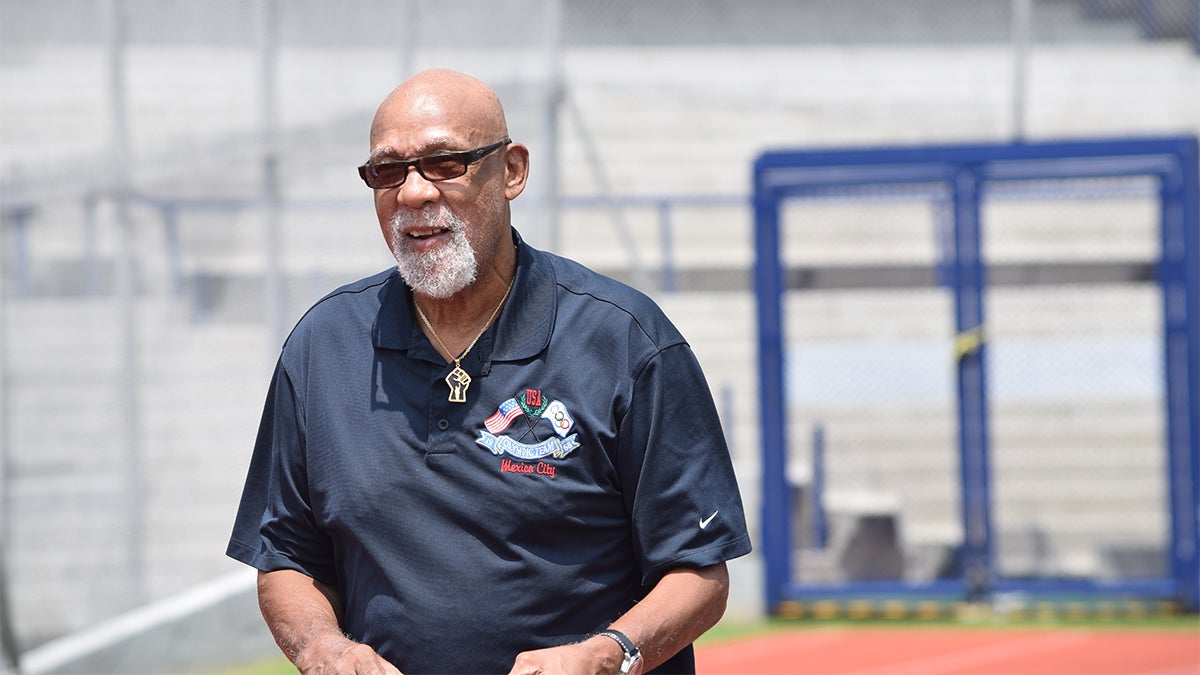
704, 523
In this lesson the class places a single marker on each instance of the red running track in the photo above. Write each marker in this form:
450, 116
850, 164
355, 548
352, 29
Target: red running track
974, 651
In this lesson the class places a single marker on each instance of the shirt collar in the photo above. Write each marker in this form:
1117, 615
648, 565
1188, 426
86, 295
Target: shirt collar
522, 330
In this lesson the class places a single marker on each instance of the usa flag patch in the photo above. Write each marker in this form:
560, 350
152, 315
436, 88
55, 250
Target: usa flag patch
504, 416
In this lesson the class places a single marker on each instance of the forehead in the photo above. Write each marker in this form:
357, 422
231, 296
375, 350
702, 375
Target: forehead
416, 141
411, 126
411, 147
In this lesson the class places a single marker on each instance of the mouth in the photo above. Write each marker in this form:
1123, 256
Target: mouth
425, 229
425, 233
425, 238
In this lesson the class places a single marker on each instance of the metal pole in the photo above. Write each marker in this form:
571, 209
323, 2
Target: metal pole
552, 206
126, 295
768, 294
971, 353
820, 523
409, 21
8, 639
268, 128
1022, 15
641, 279
8, 642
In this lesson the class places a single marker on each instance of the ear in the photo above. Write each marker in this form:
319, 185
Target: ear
516, 170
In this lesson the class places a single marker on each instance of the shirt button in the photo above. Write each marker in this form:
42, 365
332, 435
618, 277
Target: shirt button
443, 424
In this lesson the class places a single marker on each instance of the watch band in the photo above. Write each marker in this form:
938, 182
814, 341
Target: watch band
632, 653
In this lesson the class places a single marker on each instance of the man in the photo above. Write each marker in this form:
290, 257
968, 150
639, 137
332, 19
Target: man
489, 458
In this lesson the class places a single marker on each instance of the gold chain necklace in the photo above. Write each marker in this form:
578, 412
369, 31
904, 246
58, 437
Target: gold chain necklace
459, 379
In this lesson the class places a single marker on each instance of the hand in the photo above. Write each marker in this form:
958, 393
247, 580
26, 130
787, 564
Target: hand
598, 655
337, 655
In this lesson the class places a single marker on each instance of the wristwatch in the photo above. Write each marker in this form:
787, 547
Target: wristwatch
632, 654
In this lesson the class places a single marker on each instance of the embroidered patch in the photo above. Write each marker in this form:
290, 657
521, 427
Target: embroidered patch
532, 403
504, 445
533, 407
504, 416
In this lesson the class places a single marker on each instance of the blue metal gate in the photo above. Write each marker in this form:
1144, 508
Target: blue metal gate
964, 176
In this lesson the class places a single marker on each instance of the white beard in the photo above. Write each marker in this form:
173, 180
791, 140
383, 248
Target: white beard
439, 273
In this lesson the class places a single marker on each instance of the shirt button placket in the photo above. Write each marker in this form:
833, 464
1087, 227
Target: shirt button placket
440, 415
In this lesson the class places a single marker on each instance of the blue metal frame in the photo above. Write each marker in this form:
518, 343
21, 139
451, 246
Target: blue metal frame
820, 524
768, 292
969, 282
964, 170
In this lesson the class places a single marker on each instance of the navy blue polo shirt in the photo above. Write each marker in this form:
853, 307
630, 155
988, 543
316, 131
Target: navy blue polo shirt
587, 461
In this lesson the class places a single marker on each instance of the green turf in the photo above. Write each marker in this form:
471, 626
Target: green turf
726, 631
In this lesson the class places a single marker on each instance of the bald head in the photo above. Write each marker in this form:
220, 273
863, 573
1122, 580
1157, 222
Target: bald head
438, 106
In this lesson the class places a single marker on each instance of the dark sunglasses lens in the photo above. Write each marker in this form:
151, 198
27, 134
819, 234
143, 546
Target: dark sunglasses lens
444, 167
386, 175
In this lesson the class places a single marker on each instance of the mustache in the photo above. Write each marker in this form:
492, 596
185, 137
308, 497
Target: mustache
433, 216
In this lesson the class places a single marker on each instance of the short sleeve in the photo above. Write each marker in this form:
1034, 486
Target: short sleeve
676, 471
275, 528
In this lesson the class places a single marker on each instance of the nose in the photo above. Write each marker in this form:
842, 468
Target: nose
416, 191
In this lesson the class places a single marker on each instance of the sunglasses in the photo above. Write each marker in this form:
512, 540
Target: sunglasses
435, 167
